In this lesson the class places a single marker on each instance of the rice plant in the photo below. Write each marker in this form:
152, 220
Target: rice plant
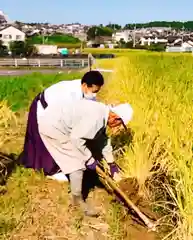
160, 89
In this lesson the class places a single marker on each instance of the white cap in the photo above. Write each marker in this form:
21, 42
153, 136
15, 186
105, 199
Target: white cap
124, 111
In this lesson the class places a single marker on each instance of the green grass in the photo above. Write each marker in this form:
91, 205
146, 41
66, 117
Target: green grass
19, 91
54, 39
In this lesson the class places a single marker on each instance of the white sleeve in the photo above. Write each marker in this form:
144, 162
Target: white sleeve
84, 130
107, 151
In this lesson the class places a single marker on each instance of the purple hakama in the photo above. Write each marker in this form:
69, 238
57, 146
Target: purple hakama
35, 155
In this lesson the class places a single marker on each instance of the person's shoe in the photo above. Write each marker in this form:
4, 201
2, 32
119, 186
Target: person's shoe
88, 209
85, 208
60, 177
74, 206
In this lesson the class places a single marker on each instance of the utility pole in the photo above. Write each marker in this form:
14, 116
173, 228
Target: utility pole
134, 39
43, 37
183, 33
81, 47
114, 32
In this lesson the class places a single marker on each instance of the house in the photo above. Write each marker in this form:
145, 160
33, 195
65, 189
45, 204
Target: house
147, 40
81, 36
181, 47
176, 41
100, 41
188, 44
124, 35
10, 34
103, 39
172, 40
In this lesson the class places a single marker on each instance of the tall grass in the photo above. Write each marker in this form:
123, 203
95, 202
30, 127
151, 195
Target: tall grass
160, 89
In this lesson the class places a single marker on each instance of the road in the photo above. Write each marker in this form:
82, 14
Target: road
25, 71
45, 71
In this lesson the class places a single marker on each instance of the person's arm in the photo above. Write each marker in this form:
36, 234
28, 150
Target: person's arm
107, 150
104, 146
83, 131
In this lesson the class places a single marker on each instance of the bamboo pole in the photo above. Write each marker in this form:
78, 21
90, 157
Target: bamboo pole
110, 181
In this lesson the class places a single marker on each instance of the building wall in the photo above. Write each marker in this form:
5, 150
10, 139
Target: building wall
187, 45
11, 34
149, 41
121, 35
179, 49
46, 49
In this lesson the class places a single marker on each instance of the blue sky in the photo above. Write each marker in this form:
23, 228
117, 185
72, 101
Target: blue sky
98, 11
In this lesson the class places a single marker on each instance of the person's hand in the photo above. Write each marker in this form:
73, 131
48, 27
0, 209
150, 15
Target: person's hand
113, 168
92, 165
114, 172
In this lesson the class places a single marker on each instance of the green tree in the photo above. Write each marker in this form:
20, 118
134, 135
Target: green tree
92, 33
129, 44
3, 50
114, 27
157, 47
17, 48
121, 43
24, 49
29, 50
173, 24
98, 31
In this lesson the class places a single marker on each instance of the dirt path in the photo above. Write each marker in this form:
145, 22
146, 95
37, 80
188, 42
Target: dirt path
45, 213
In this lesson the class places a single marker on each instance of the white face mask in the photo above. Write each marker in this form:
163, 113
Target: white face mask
90, 96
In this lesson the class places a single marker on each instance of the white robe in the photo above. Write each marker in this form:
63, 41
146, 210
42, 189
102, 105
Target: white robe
63, 91
65, 129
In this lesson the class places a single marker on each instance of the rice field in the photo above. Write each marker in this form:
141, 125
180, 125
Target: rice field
160, 89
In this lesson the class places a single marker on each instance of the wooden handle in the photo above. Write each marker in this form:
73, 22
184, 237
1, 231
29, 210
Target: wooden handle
110, 181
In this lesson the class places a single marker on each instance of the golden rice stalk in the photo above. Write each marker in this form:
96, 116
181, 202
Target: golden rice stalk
7, 118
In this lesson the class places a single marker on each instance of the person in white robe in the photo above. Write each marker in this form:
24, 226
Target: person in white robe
35, 154
65, 131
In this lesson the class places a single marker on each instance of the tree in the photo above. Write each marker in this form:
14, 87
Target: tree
17, 48
98, 31
3, 50
121, 43
156, 47
129, 44
114, 27
91, 33
30, 50
174, 24
24, 49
